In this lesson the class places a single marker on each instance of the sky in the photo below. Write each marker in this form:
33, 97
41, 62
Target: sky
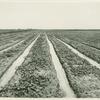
49, 14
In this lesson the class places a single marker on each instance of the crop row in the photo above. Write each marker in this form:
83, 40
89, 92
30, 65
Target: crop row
9, 39
7, 57
83, 77
87, 50
89, 37
36, 77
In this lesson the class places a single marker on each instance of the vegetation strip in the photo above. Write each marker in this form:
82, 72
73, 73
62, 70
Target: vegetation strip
14, 45
64, 84
82, 76
86, 42
92, 62
36, 77
9, 39
9, 56
11, 71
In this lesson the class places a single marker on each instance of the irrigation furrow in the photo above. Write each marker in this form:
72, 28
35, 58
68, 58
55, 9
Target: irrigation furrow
91, 61
14, 45
63, 82
12, 69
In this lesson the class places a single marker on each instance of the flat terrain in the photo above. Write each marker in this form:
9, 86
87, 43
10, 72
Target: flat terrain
50, 63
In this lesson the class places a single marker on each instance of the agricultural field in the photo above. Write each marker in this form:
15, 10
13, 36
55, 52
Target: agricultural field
50, 63
36, 77
8, 39
87, 42
83, 77
88, 37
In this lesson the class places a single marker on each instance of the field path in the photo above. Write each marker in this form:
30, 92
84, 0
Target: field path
63, 82
14, 45
91, 61
11, 71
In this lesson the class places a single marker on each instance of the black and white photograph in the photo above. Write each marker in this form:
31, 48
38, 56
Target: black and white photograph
49, 49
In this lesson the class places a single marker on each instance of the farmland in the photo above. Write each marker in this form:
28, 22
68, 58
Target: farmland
36, 77
87, 43
9, 39
83, 77
50, 63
